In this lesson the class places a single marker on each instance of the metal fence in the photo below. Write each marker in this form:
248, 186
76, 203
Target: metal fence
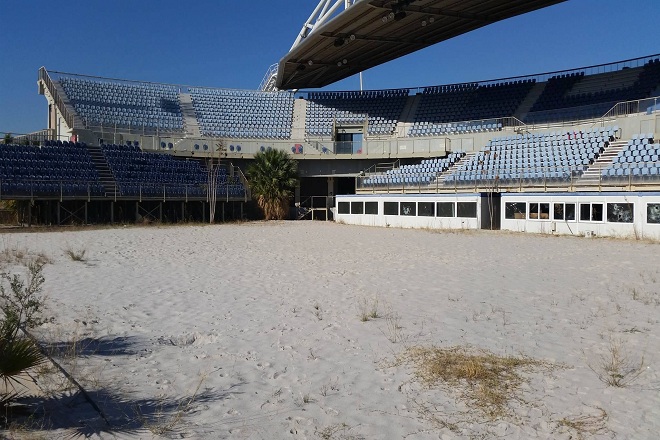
621, 176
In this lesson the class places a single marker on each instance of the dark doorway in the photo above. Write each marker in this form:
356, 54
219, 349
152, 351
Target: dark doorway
491, 204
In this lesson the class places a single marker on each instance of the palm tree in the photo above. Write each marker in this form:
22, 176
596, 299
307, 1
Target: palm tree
18, 353
273, 177
20, 309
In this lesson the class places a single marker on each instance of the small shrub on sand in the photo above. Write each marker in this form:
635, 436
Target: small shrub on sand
586, 426
485, 380
166, 423
616, 368
12, 255
368, 309
393, 328
75, 255
339, 431
21, 306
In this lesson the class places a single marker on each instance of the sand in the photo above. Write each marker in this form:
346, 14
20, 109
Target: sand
254, 330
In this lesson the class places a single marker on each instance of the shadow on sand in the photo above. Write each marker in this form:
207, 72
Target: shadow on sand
72, 415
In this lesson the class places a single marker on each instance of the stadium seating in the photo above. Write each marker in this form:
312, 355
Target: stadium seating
381, 110
123, 104
554, 157
243, 114
140, 173
56, 169
441, 106
423, 173
454, 109
578, 96
637, 162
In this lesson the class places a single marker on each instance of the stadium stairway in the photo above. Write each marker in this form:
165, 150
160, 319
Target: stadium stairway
592, 175
190, 122
407, 117
101, 165
298, 124
59, 90
440, 180
529, 100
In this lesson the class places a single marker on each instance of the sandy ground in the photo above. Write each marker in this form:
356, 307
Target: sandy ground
253, 331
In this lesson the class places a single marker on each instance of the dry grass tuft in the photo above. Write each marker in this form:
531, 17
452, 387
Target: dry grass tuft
586, 425
164, 423
339, 431
17, 256
75, 255
368, 309
617, 368
485, 380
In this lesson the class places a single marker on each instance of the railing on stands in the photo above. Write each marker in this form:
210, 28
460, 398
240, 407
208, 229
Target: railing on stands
539, 77
625, 177
151, 137
35, 138
69, 117
139, 130
79, 190
568, 115
382, 167
438, 146
61, 189
307, 208
648, 106
268, 82
244, 181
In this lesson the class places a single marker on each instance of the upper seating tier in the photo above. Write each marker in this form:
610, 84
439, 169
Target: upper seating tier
243, 113
379, 109
124, 105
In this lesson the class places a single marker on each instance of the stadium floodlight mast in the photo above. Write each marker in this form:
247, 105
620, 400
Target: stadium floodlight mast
322, 13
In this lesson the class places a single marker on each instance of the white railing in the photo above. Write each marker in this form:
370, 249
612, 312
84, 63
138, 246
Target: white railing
268, 82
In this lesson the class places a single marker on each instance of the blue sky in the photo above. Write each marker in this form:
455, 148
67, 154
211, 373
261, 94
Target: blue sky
230, 44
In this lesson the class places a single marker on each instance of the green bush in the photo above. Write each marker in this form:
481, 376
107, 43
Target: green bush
21, 304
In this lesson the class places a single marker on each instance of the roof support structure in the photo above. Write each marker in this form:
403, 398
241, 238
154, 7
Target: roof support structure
322, 13
344, 37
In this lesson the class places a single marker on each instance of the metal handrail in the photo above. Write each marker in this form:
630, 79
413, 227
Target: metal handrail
69, 118
522, 179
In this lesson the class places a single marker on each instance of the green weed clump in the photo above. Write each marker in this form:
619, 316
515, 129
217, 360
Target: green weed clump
21, 304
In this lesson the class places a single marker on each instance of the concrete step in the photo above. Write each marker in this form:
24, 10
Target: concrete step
606, 158
190, 121
458, 163
298, 125
406, 121
529, 100
102, 168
